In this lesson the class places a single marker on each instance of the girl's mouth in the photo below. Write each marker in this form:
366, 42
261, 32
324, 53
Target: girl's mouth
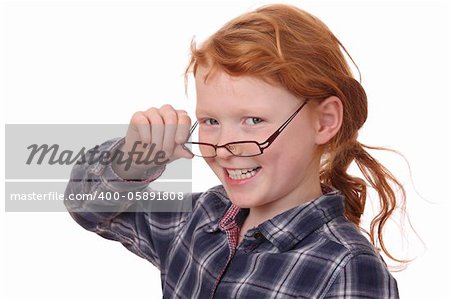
242, 174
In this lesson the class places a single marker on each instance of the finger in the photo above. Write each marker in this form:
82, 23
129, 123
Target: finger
142, 124
156, 127
170, 119
138, 130
184, 125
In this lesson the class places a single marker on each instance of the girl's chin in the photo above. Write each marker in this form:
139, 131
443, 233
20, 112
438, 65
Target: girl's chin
243, 200
243, 204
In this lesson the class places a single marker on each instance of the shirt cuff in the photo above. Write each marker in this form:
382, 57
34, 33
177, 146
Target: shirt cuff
114, 181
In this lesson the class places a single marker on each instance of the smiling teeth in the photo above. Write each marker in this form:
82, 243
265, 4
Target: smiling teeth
240, 174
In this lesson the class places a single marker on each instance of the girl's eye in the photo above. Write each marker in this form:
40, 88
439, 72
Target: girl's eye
210, 121
253, 120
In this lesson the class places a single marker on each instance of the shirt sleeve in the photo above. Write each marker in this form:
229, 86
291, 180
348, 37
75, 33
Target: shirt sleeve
364, 276
147, 234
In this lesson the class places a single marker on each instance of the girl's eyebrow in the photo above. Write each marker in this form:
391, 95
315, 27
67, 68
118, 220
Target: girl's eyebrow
201, 111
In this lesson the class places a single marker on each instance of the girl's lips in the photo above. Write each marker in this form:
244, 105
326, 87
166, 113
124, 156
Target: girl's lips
231, 181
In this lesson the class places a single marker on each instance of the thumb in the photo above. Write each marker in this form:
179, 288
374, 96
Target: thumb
181, 152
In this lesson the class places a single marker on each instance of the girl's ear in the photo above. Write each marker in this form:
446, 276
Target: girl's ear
329, 119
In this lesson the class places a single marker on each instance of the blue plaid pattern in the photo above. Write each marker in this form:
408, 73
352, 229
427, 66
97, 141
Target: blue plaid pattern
310, 251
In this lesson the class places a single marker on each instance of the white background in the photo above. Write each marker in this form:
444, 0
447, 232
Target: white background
98, 62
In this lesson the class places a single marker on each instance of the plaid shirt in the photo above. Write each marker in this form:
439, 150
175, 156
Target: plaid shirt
310, 251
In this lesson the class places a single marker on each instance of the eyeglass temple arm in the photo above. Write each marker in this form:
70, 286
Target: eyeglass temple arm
272, 137
191, 130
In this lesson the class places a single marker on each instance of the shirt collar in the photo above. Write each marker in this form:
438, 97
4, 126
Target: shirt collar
285, 230
292, 226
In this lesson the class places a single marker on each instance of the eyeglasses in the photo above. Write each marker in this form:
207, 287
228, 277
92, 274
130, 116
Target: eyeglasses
237, 148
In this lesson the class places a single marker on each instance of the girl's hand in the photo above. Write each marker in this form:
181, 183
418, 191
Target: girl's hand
154, 135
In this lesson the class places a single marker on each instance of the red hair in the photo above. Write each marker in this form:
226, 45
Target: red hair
284, 45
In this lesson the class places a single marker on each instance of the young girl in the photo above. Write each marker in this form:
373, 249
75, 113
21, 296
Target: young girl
278, 113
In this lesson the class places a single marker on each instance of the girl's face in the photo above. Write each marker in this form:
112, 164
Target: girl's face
244, 108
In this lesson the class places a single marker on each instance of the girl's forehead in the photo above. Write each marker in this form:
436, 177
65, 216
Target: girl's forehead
221, 82
241, 94
234, 107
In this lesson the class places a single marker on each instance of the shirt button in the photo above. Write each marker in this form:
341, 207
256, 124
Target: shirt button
257, 235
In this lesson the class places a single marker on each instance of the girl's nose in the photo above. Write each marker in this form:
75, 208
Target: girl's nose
224, 138
223, 153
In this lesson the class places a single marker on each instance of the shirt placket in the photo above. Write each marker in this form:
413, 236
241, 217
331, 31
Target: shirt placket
231, 229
